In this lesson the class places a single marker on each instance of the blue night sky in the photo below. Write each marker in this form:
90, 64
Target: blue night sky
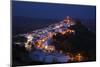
52, 11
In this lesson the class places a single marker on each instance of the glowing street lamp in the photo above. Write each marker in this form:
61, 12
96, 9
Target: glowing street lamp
79, 57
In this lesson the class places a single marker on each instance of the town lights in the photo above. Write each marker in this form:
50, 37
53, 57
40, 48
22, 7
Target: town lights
57, 26
63, 32
45, 46
49, 48
70, 31
29, 37
78, 57
75, 57
43, 40
40, 38
28, 46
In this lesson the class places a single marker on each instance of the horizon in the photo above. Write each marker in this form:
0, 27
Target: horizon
52, 11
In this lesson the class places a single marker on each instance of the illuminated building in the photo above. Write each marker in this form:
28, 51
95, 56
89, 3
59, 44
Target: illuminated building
78, 57
28, 46
29, 37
